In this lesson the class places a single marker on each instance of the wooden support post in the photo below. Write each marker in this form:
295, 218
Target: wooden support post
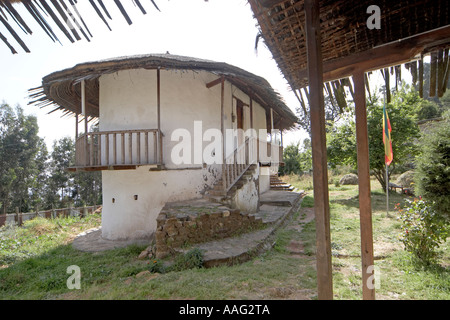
319, 151
158, 112
271, 130
222, 130
84, 113
76, 126
421, 77
365, 207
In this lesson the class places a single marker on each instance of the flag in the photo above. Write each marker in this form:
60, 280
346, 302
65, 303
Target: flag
388, 154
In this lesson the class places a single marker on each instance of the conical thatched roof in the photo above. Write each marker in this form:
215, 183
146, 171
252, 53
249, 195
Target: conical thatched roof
62, 89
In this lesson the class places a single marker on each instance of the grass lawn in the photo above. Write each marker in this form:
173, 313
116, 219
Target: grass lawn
34, 261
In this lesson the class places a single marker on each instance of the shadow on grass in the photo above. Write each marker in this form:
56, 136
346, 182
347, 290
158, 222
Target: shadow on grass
45, 276
378, 200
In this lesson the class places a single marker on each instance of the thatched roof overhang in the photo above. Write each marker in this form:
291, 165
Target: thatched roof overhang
66, 15
62, 89
408, 29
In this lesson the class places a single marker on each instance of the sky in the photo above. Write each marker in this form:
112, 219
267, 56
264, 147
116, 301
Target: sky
218, 30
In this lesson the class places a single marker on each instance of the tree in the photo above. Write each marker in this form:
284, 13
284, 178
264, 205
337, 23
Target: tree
306, 155
81, 188
60, 182
432, 176
291, 156
428, 110
402, 112
22, 155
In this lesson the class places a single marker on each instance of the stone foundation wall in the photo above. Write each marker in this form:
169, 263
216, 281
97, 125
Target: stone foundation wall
175, 231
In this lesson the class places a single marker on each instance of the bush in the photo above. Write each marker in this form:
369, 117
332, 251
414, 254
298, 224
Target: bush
422, 230
193, 259
432, 178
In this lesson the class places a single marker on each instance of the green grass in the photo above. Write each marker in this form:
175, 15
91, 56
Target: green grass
34, 261
42, 272
400, 277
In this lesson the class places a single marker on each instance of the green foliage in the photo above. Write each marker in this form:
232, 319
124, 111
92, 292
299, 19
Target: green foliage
341, 141
193, 259
30, 176
428, 110
421, 230
297, 160
190, 260
291, 158
22, 159
432, 176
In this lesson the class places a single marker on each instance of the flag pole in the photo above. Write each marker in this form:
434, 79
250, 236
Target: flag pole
387, 169
387, 191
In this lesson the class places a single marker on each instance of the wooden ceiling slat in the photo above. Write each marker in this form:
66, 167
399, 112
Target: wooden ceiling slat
344, 31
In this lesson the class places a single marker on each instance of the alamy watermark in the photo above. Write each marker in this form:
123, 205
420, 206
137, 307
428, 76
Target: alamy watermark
200, 146
74, 281
374, 20
373, 281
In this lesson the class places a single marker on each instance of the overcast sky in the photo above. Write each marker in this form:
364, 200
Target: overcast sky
218, 30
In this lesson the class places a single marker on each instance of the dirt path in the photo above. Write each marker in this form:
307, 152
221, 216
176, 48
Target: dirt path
295, 247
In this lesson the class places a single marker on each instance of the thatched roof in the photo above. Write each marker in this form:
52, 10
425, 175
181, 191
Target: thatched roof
62, 89
64, 13
346, 38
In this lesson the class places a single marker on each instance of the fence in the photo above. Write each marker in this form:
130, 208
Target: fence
18, 218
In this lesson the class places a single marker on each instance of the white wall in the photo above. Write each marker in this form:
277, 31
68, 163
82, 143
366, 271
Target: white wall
128, 100
128, 218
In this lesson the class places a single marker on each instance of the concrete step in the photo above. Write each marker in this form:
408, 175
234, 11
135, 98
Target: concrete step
235, 250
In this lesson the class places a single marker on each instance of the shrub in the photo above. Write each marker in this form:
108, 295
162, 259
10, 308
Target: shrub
422, 230
190, 260
193, 259
432, 174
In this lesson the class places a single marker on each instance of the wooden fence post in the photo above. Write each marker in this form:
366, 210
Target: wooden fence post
19, 217
70, 210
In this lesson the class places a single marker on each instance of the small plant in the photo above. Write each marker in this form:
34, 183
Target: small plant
190, 260
157, 266
193, 259
422, 231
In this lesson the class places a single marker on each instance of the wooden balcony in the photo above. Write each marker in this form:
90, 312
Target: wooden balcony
118, 150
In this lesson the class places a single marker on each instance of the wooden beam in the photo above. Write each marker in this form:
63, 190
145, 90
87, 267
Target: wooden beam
365, 207
269, 3
214, 82
83, 97
387, 55
222, 130
158, 102
319, 151
76, 126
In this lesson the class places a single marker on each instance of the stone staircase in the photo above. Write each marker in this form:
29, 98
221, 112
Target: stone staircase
219, 195
277, 184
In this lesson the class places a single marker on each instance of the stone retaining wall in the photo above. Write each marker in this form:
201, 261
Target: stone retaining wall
175, 231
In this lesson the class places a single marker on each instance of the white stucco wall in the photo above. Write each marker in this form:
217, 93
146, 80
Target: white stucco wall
246, 198
128, 218
128, 100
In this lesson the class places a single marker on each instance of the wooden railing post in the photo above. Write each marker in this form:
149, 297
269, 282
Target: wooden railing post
92, 150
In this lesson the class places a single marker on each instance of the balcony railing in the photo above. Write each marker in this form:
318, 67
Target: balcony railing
119, 149
252, 151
